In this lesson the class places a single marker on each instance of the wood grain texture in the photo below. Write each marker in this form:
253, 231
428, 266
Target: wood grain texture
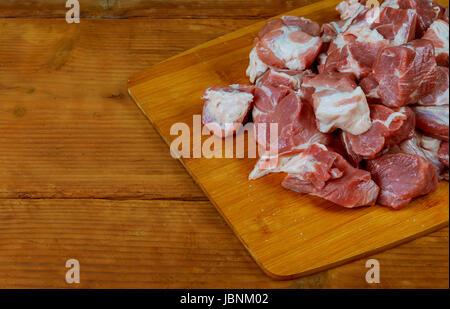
68, 130
236, 9
171, 244
288, 234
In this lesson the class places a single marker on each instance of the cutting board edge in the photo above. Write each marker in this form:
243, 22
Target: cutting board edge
355, 257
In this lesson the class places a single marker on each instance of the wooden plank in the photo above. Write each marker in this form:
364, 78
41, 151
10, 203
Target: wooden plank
236, 9
69, 129
289, 234
168, 244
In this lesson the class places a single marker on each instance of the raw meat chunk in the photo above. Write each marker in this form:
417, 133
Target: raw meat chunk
438, 35
443, 154
396, 25
296, 121
405, 73
358, 57
318, 171
289, 48
355, 52
279, 105
306, 25
402, 177
227, 107
331, 30
274, 77
432, 115
433, 120
348, 111
427, 12
389, 127
264, 166
339, 145
357, 42
313, 83
305, 132
338, 102
310, 102
439, 96
424, 146
349, 8
302, 135
370, 87
290, 43
256, 67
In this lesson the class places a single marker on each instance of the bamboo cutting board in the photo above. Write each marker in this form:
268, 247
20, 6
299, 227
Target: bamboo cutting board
288, 234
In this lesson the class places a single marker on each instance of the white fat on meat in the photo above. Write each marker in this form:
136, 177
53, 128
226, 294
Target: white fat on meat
287, 50
349, 8
340, 41
349, 21
443, 99
373, 93
390, 3
439, 114
314, 139
227, 107
424, 146
440, 38
401, 37
348, 111
430, 143
353, 66
293, 81
256, 67
286, 164
261, 167
387, 123
337, 30
364, 34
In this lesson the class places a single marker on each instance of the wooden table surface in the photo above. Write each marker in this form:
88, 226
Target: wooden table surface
84, 175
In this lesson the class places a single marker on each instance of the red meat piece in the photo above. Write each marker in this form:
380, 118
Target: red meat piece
290, 43
389, 127
370, 87
402, 177
405, 73
438, 34
439, 96
396, 25
295, 120
274, 77
427, 12
434, 120
327, 174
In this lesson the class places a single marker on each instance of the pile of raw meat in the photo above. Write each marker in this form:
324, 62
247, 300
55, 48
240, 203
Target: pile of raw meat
362, 104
